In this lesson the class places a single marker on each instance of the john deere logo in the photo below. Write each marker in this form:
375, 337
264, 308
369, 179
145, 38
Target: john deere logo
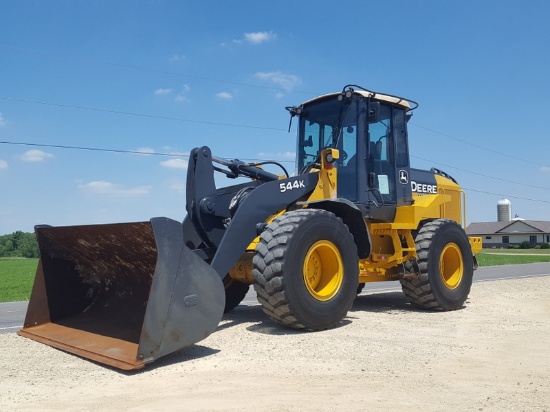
403, 177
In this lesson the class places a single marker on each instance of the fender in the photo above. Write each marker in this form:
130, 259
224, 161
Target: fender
351, 215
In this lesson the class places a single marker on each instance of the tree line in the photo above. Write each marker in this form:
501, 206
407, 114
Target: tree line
19, 244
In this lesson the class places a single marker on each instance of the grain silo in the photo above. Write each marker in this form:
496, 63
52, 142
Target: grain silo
504, 210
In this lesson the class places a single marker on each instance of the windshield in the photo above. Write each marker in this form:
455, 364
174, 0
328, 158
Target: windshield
328, 123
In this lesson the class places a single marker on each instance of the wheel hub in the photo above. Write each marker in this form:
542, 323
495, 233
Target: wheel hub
451, 266
323, 270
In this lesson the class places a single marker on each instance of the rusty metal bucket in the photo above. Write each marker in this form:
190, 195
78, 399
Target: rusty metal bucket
121, 294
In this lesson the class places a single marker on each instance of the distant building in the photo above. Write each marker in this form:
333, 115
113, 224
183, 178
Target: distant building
504, 210
507, 231
514, 232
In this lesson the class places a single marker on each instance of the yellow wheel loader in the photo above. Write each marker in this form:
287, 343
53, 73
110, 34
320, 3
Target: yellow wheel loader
355, 212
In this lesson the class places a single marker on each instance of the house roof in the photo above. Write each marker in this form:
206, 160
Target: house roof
513, 226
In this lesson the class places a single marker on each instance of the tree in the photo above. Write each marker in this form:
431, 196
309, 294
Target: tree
29, 246
19, 244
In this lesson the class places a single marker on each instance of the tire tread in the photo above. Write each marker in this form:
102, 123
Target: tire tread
419, 291
269, 266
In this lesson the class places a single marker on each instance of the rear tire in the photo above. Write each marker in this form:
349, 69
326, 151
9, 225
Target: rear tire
446, 267
235, 292
306, 269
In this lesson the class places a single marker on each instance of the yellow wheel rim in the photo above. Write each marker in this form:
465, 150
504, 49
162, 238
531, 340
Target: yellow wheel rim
451, 266
323, 270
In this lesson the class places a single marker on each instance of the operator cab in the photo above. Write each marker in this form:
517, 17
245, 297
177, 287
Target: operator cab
370, 131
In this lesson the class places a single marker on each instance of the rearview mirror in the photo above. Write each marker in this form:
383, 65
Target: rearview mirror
373, 115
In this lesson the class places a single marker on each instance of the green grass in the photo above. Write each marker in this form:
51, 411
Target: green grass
16, 278
517, 251
488, 257
495, 260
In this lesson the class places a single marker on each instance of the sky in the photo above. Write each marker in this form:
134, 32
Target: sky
158, 78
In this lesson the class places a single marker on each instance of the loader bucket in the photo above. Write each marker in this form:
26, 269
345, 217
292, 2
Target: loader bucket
121, 294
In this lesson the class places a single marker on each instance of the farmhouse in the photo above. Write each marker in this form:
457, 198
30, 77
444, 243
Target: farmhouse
513, 232
507, 231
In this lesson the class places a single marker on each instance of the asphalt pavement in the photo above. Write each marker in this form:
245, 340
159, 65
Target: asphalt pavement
12, 314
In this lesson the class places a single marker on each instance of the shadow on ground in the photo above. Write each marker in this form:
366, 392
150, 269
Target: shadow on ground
382, 302
393, 302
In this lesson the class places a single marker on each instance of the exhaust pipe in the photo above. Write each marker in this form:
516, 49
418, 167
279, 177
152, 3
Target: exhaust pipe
121, 294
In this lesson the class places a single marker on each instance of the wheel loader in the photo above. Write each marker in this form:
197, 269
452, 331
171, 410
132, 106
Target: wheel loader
354, 212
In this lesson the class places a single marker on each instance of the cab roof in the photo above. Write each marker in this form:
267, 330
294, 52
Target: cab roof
394, 100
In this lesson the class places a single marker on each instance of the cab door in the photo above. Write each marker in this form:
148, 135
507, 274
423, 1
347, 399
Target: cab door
402, 158
387, 164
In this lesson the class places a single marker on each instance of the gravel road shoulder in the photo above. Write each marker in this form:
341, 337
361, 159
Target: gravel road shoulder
491, 355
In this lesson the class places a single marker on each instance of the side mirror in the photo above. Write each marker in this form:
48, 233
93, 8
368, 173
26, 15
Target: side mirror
372, 180
373, 116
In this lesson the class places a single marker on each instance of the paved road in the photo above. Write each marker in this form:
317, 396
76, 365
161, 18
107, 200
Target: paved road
12, 314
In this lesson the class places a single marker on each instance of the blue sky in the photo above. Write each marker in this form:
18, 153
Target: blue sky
167, 76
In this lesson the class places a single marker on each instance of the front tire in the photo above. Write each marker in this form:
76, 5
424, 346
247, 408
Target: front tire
306, 269
446, 267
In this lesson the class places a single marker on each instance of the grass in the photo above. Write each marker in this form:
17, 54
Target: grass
17, 274
495, 257
485, 259
16, 278
517, 251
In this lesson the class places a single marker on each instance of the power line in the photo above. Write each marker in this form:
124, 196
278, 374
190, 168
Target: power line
478, 146
85, 59
234, 125
94, 149
152, 70
228, 125
101, 149
505, 195
481, 174
150, 116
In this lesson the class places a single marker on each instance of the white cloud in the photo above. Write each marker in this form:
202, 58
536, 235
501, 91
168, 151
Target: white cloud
182, 97
224, 96
285, 81
175, 164
259, 37
178, 58
254, 38
3, 164
544, 169
102, 187
2, 121
162, 92
35, 156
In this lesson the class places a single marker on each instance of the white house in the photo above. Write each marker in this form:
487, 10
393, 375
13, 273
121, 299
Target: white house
516, 231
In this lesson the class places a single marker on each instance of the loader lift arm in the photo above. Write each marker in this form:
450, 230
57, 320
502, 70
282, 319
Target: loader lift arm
225, 220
